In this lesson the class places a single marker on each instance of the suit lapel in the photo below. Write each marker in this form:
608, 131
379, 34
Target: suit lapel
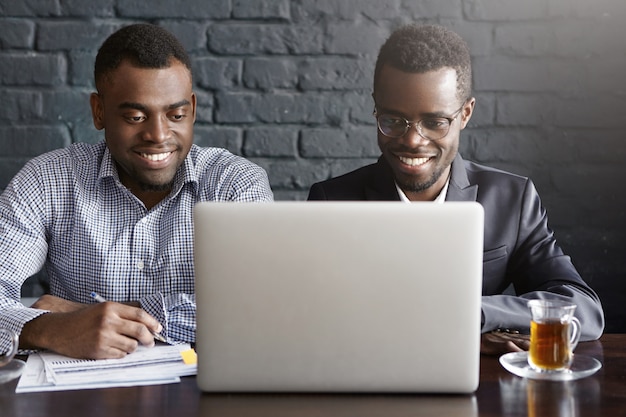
381, 186
460, 188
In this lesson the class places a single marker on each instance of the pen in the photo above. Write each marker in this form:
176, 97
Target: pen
101, 299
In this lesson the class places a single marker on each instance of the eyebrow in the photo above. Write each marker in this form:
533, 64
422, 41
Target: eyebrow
141, 107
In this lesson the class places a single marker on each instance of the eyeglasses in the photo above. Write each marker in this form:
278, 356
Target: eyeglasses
431, 128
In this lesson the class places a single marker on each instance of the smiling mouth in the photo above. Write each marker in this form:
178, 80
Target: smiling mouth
155, 156
413, 161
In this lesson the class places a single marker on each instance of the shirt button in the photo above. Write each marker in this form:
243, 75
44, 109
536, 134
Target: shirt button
139, 265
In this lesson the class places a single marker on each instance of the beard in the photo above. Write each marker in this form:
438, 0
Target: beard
418, 184
413, 185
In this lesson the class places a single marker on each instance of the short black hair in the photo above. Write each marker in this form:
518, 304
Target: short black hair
421, 48
144, 45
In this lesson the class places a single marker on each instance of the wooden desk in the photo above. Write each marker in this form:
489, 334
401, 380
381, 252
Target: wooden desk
499, 394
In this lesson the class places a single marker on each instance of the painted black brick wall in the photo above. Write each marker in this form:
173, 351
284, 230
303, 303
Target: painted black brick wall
288, 83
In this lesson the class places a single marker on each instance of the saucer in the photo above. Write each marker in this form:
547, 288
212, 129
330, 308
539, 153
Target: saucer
11, 370
582, 366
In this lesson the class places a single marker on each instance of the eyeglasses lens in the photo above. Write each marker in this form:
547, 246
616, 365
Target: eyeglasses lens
430, 128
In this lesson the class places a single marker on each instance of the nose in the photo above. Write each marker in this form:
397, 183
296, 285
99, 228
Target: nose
157, 130
413, 136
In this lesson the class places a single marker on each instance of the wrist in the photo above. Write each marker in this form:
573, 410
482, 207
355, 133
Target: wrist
34, 332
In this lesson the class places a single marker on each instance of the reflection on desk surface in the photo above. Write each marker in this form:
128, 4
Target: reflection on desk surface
343, 404
520, 396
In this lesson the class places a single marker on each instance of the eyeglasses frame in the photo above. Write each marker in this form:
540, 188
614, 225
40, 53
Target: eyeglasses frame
409, 124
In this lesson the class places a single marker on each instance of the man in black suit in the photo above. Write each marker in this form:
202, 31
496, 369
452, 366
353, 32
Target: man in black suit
423, 99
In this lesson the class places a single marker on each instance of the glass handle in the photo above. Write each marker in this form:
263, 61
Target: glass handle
575, 333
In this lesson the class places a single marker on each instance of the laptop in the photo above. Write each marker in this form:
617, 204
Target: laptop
377, 297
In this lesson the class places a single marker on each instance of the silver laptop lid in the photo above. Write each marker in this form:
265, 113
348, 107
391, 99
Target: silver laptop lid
338, 296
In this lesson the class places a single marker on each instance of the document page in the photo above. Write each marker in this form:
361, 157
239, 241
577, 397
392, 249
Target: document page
161, 364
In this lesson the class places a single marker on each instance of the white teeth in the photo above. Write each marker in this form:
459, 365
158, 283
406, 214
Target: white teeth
156, 156
413, 161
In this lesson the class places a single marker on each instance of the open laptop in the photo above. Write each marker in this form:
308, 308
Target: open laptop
338, 296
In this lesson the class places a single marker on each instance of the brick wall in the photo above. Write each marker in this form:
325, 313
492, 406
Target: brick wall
288, 83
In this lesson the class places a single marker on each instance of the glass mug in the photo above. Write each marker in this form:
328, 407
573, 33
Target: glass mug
554, 334
8, 348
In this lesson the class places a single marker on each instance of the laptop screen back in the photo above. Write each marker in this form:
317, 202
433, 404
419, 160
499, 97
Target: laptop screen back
338, 296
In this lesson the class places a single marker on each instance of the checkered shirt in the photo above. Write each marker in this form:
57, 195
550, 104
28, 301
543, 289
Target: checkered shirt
67, 210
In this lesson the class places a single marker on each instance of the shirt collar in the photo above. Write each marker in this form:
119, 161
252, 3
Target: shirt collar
107, 167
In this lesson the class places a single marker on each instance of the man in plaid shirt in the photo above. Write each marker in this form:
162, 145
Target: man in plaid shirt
115, 218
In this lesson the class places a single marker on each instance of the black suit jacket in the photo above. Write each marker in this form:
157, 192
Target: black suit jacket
519, 247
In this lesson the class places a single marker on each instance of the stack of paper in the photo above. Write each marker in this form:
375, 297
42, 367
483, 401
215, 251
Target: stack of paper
162, 364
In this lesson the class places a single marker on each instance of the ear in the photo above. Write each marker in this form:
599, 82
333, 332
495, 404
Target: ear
97, 110
193, 105
466, 113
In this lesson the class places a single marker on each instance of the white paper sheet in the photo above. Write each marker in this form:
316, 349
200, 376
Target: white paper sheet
49, 371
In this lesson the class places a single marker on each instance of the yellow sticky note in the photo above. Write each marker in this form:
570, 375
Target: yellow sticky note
189, 357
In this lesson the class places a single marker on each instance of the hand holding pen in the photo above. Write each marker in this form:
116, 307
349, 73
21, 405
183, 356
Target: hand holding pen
97, 297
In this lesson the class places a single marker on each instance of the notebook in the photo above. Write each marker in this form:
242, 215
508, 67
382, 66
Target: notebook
338, 296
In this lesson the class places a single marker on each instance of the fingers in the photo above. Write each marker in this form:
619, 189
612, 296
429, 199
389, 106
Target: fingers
513, 347
98, 331
107, 330
141, 316
497, 343
132, 322
114, 347
139, 333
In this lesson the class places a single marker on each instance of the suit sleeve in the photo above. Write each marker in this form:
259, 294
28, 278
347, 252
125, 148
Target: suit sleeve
538, 268
317, 193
